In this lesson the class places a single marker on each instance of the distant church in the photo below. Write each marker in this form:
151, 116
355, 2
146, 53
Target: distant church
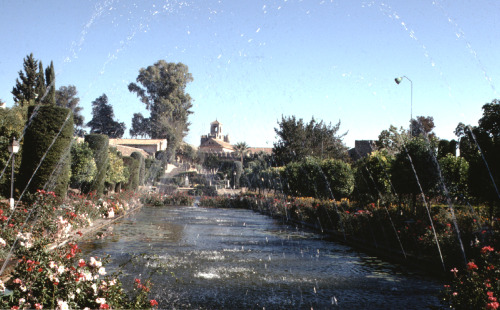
216, 142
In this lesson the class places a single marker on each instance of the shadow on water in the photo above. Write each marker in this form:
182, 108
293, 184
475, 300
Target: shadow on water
203, 258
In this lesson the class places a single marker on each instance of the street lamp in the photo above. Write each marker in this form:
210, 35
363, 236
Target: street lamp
13, 148
234, 179
398, 80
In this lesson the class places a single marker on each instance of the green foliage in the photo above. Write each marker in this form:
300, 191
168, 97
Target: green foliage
25, 90
50, 80
455, 171
66, 97
373, 176
241, 149
416, 161
330, 178
141, 126
99, 144
162, 88
102, 121
83, 167
446, 147
142, 166
12, 121
46, 150
298, 140
133, 166
116, 169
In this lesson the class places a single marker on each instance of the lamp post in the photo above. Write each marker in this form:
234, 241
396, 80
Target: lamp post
398, 80
13, 148
234, 179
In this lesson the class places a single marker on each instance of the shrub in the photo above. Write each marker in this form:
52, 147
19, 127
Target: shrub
142, 166
99, 144
46, 150
133, 168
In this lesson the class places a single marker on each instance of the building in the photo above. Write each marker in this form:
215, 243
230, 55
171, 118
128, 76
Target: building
150, 146
216, 142
361, 149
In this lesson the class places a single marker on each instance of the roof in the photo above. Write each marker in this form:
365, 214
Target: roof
127, 150
215, 144
215, 122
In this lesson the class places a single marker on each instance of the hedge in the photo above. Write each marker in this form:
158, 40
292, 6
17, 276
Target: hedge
133, 168
99, 144
46, 150
142, 166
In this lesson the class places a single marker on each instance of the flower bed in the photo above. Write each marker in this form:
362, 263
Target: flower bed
61, 278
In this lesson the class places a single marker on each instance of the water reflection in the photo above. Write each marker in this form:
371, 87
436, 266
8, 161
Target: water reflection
219, 258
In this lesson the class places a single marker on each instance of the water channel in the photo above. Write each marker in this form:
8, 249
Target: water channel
202, 258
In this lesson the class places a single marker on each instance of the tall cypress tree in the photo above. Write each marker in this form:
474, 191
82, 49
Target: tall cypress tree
40, 83
25, 90
50, 79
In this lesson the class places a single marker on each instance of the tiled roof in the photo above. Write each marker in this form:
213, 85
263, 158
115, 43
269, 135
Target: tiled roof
215, 144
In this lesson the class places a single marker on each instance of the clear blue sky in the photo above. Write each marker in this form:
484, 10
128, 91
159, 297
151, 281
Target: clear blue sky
253, 61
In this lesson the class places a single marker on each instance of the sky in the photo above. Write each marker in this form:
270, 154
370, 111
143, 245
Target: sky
255, 61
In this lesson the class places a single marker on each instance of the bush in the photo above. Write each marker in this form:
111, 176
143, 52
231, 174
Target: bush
133, 168
99, 144
142, 166
46, 150
83, 167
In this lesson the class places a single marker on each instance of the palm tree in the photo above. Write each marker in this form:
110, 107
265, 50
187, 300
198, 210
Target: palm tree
241, 148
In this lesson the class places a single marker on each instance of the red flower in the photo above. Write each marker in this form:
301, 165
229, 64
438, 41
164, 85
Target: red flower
487, 249
138, 281
492, 305
40, 269
153, 303
471, 266
104, 306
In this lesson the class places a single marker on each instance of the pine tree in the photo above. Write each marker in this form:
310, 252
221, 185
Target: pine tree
102, 121
25, 90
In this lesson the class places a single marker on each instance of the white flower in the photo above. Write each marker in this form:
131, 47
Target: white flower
2, 242
94, 262
78, 291
60, 270
22, 301
52, 264
2, 286
102, 271
100, 300
94, 287
71, 296
87, 275
112, 282
111, 213
62, 305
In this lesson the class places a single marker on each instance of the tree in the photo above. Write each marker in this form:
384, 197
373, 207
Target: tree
392, 139
454, 171
423, 126
40, 83
102, 119
490, 122
162, 88
297, 140
50, 80
241, 148
25, 90
141, 126
66, 97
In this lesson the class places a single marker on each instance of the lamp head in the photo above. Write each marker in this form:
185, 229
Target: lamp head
398, 80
